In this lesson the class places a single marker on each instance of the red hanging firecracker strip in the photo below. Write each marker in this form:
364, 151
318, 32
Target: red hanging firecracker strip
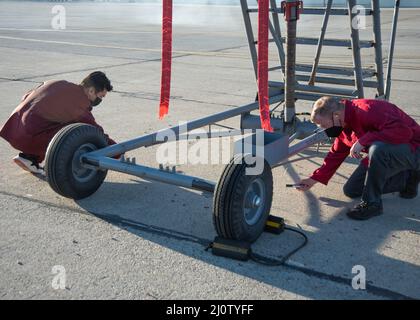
166, 58
263, 16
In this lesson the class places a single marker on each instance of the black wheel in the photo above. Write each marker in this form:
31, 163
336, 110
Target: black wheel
63, 168
242, 202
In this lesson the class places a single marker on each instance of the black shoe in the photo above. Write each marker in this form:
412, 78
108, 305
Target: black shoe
364, 211
412, 186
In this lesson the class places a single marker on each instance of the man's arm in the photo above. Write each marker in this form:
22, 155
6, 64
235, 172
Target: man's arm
338, 153
88, 118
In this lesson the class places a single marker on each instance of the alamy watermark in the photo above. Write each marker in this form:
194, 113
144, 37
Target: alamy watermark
59, 279
200, 147
359, 21
58, 22
359, 280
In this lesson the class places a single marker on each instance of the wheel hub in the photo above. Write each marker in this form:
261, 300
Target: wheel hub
80, 172
254, 201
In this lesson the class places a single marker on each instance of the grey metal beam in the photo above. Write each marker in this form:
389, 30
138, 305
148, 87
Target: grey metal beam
307, 142
329, 42
326, 90
355, 45
367, 73
250, 36
314, 96
320, 42
316, 89
391, 49
276, 33
275, 17
279, 44
319, 11
183, 180
290, 81
151, 139
378, 45
210, 135
338, 81
152, 174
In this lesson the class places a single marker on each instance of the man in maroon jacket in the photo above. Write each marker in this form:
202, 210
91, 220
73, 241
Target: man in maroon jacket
389, 136
48, 108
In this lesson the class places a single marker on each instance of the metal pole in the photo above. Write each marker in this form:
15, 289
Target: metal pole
291, 23
181, 179
279, 45
151, 139
311, 140
250, 36
391, 49
153, 174
376, 7
357, 61
307, 142
276, 33
320, 41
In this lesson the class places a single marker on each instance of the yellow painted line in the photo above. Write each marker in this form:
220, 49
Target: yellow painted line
80, 44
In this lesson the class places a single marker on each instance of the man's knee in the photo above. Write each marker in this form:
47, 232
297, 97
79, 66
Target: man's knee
351, 191
378, 150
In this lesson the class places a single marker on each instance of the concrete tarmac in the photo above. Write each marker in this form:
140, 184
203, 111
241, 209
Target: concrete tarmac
137, 239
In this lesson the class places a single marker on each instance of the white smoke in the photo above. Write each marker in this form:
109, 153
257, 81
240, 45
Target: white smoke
188, 15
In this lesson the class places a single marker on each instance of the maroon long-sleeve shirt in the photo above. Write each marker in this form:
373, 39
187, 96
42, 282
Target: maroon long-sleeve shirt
43, 112
367, 121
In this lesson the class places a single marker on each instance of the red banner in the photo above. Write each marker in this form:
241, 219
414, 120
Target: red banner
165, 90
263, 16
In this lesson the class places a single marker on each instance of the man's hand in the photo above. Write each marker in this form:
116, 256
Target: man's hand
306, 184
355, 150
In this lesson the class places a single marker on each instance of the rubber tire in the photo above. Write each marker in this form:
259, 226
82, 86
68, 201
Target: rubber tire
228, 216
58, 160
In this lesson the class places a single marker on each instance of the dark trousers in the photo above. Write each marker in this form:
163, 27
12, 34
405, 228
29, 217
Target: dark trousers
388, 171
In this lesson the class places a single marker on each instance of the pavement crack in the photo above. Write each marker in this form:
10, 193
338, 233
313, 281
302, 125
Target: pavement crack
156, 97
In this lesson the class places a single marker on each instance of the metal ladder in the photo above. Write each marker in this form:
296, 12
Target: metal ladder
348, 82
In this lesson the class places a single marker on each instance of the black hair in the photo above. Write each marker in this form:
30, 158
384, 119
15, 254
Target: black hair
97, 80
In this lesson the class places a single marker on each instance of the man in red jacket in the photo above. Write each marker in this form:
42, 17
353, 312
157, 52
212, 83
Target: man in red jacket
389, 136
48, 108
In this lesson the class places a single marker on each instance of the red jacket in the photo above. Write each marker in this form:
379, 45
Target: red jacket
367, 121
43, 112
